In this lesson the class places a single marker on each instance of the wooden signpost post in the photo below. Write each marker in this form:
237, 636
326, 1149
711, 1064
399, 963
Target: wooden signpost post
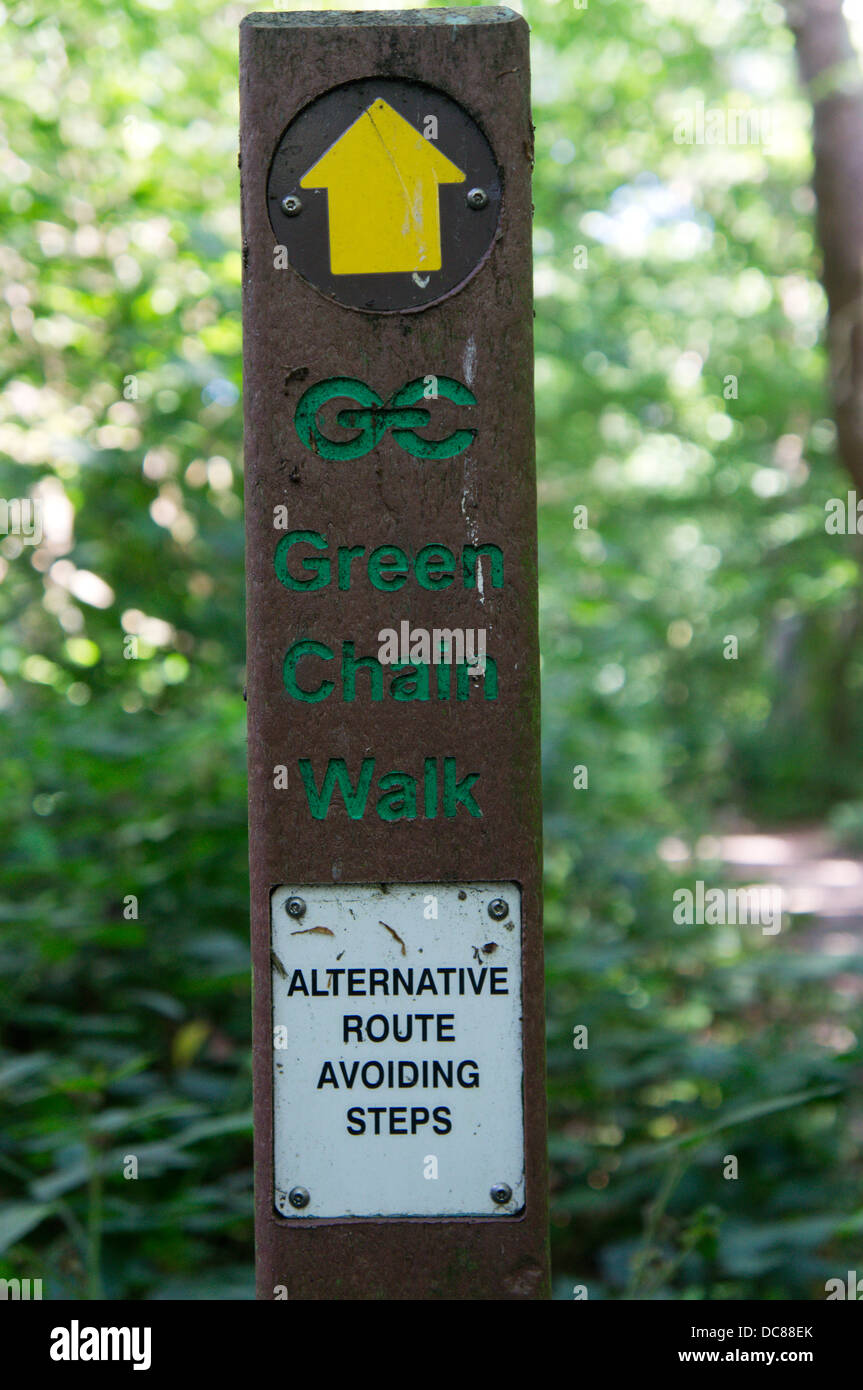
393, 670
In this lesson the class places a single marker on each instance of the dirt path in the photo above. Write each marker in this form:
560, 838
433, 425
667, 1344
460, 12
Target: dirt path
819, 882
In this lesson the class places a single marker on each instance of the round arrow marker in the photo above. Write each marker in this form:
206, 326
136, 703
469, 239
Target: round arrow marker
386, 195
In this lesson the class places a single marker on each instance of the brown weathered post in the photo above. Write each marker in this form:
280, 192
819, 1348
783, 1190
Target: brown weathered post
393, 672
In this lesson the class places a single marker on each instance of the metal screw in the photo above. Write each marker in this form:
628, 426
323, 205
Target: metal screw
477, 198
299, 1197
501, 1193
291, 206
497, 909
296, 907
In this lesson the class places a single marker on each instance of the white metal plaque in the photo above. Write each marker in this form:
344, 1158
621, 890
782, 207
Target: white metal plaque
397, 1050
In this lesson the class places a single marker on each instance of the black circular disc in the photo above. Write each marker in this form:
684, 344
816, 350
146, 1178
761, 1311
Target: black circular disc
340, 240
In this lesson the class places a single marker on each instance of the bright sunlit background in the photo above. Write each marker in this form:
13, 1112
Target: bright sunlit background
680, 397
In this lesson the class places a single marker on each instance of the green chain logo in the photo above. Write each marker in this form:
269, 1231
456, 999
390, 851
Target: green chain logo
374, 418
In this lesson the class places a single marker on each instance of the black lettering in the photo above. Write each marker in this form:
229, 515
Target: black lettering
355, 1116
443, 1122
405, 1085
401, 1111
410, 1027
328, 1076
383, 1024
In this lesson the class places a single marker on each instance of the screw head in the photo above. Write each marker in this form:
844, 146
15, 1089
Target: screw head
296, 907
501, 1193
291, 206
299, 1197
477, 198
498, 909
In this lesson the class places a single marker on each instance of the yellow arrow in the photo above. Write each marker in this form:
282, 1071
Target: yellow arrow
383, 176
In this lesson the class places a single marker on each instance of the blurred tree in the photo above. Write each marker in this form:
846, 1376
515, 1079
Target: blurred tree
830, 71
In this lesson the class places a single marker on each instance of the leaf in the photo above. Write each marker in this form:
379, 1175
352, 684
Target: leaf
19, 1218
188, 1042
19, 1067
208, 1129
63, 1180
754, 1111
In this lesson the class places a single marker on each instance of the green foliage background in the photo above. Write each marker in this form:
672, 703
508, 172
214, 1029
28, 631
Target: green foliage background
126, 777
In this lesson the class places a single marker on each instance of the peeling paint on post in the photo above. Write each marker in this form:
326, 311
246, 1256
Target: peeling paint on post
393, 670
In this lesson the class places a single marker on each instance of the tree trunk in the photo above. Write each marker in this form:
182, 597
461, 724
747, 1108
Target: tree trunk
830, 71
